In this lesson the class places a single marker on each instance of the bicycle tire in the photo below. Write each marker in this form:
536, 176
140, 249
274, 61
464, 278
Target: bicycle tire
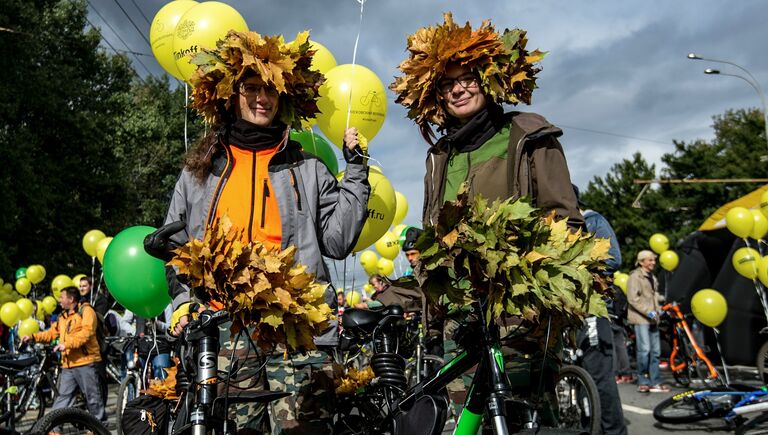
577, 413
69, 421
754, 426
762, 360
124, 396
687, 409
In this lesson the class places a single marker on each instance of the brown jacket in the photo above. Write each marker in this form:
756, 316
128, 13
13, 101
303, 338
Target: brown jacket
78, 335
535, 167
409, 297
642, 298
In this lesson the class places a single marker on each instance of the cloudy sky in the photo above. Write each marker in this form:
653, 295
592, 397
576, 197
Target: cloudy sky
616, 78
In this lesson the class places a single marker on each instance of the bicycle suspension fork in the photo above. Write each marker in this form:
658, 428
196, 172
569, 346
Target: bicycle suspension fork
205, 380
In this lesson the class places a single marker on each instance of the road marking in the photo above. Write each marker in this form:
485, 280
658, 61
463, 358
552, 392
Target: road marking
636, 409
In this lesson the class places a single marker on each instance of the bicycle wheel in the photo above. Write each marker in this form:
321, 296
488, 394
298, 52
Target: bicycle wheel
754, 426
578, 400
69, 421
32, 403
128, 390
687, 408
762, 363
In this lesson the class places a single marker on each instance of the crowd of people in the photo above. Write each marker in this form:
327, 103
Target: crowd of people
247, 168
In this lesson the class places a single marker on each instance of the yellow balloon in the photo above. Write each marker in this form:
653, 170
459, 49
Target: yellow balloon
386, 266
200, 27
759, 229
36, 273
161, 33
39, 310
26, 306
323, 60
381, 210
61, 282
620, 280
10, 314
7, 287
746, 261
101, 248
367, 106
388, 245
659, 243
1, 283
76, 279
669, 260
352, 298
28, 327
90, 240
49, 304
369, 260
368, 288
23, 286
740, 221
709, 307
401, 209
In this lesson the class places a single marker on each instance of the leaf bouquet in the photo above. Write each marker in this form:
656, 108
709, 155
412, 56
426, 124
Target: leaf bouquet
527, 264
261, 288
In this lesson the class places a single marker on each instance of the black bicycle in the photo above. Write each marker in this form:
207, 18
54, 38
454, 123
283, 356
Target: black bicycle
389, 405
28, 385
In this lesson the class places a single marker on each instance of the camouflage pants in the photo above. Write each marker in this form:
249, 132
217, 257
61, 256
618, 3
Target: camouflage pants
309, 409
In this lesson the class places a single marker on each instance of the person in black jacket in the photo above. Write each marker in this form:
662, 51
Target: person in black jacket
98, 301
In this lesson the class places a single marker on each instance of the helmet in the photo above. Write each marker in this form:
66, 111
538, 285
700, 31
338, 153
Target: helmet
411, 235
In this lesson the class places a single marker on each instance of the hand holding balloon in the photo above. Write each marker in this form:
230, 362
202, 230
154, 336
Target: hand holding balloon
355, 145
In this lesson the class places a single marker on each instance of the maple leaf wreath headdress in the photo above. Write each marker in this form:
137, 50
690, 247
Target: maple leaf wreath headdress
505, 68
242, 54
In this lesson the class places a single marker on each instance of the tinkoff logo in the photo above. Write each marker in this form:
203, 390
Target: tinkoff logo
185, 28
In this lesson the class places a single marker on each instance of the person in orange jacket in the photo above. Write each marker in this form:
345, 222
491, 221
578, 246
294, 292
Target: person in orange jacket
76, 331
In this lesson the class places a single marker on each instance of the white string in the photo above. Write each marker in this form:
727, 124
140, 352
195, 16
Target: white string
186, 108
354, 61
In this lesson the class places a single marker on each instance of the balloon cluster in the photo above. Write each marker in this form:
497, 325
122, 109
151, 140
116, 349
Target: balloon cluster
668, 259
745, 224
389, 244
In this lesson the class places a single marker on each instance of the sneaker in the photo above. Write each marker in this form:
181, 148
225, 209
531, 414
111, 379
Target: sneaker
660, 388
663, 364
620, 379
644, 389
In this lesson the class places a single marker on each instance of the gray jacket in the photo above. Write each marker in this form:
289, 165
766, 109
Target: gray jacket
319, 215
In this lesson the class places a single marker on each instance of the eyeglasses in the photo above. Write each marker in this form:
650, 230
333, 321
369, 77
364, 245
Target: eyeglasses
252, 89
466, 81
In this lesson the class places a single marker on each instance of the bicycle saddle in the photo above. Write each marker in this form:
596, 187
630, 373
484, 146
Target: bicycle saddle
365, 321
16, 363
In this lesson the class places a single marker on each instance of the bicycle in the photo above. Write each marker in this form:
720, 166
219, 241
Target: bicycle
687, 358
27, 384
135, 380
389, 405
200, 409
576, 392
731, 403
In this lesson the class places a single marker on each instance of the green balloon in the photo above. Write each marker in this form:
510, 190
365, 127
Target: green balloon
317, 146
21, 272
135, 278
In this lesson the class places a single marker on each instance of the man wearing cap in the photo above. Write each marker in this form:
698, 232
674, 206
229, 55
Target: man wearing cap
644, 311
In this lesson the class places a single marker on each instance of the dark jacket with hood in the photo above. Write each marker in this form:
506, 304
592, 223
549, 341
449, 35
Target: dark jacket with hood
534, 165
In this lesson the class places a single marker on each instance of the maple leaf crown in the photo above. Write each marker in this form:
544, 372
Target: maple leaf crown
240, 55
505, 68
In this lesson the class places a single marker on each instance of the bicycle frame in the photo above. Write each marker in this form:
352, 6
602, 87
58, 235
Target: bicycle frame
745, 405
679, 319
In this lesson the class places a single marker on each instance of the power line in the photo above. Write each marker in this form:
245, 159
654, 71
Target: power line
614, 134
141, 12
128, 48
112, 46
133, 23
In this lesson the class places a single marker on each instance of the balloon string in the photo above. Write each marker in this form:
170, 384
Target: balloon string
354, 267
354, 62
186, 108
93, 269
344, 281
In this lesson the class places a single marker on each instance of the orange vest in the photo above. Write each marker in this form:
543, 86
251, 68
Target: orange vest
248, 198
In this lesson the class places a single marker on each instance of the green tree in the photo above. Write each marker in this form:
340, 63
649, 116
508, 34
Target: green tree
679, 209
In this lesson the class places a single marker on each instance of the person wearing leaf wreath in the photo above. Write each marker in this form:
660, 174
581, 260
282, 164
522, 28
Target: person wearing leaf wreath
252, 90
455, 80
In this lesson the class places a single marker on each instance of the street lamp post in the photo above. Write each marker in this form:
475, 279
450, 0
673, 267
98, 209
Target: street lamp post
751, 80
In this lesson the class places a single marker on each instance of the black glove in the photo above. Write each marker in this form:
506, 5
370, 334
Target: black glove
355, 157
159, 244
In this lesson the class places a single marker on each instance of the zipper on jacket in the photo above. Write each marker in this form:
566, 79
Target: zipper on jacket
264, 196
295, 185
432, 156
253, 196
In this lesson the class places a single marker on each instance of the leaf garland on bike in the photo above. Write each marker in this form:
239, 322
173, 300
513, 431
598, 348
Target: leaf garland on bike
528, 265
260, 287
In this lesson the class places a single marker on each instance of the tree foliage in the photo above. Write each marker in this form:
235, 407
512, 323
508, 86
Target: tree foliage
85, 142
679, 209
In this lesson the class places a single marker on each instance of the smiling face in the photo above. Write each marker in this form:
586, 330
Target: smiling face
256, 103
461, 92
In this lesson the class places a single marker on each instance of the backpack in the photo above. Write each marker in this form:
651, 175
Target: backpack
145, 415
101, 328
